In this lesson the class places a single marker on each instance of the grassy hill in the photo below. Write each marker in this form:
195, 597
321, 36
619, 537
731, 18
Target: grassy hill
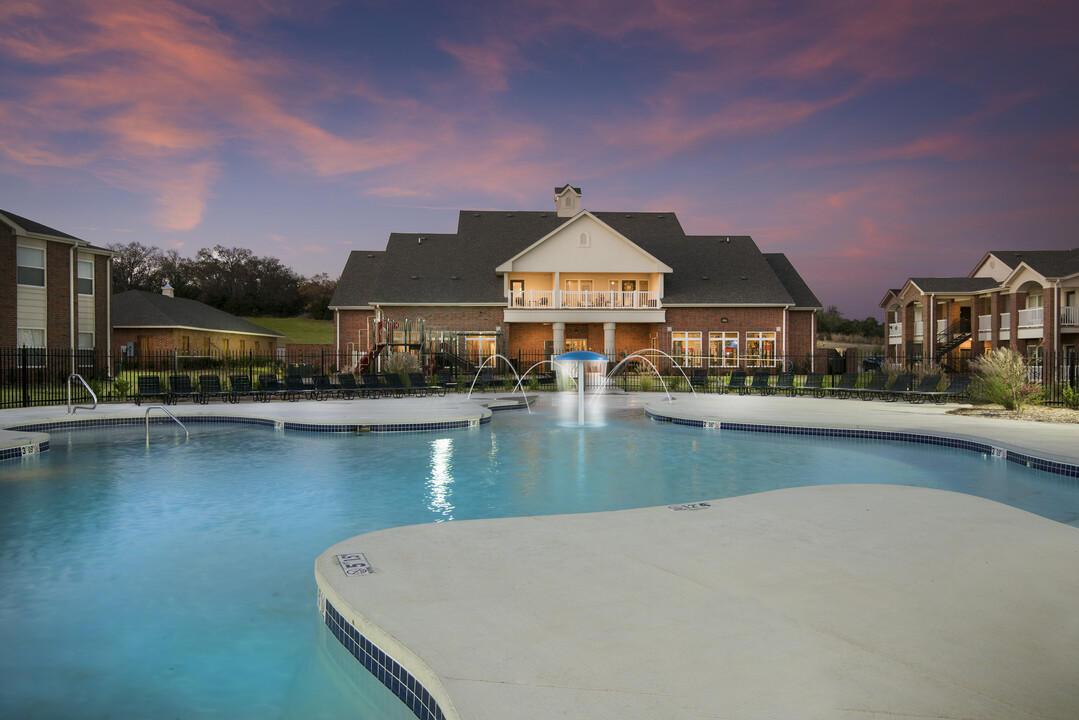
298, 330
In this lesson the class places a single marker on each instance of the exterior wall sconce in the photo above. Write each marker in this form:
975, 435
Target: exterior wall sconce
723, 320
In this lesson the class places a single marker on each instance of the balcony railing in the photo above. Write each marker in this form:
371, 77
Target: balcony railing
1069, 316
919, 328
1030, 318
1005, 321
985, 327
895, 330
605, 299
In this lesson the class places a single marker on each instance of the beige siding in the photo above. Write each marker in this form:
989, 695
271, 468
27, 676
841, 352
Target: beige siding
86, 302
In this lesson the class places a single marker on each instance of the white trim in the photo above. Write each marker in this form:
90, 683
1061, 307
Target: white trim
661, 267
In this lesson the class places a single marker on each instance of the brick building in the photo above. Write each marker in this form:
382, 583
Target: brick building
1025, 299
541, 283
55, 289
150, 323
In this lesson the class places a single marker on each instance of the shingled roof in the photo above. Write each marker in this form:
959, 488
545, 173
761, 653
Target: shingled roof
426, 268
1047, 263
37, 228
138, 308
957, 285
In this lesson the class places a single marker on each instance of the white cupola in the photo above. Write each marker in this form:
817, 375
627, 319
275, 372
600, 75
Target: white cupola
567, 200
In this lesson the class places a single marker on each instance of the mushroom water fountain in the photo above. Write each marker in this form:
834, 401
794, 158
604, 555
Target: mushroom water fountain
582, 358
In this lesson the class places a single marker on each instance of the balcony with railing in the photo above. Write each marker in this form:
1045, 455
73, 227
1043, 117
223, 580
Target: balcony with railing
1069, 316
919, 329
1031, 318
985, 327
895, 333
584, 299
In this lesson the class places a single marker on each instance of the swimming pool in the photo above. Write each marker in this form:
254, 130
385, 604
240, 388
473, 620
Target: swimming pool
177, 582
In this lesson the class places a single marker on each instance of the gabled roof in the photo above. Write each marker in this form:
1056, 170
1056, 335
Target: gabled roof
30, 228
357, 279
1047, 263
796, 286
459, 268
505, 266
138, 308
956, 285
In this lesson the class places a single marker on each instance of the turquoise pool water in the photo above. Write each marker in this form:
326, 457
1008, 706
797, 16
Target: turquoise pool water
176, 582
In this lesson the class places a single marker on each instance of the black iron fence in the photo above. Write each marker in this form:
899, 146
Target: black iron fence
36, 376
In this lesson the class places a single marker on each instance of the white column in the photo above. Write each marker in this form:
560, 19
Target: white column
559, 329
608, 340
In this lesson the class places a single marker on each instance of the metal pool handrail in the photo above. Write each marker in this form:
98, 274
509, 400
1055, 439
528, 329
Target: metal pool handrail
71, 410
166, 410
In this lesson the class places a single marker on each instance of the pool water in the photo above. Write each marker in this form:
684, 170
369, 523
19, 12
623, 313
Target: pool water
177, 581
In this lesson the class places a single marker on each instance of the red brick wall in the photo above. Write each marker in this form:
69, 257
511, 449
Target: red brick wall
8, 299
531, 337
58, 328
350, 326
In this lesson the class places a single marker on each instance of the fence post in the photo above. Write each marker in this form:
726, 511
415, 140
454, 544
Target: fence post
25, 356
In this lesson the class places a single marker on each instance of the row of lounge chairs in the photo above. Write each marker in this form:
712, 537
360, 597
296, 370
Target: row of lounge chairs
180, 387
879, 387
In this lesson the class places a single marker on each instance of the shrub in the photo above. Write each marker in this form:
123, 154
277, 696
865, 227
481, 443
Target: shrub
645, 383
1003, 377
120, 386
1070, 396
402, 362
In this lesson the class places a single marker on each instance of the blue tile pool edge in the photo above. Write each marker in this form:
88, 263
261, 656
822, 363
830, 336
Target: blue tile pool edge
93, 423
982, 448
380, 664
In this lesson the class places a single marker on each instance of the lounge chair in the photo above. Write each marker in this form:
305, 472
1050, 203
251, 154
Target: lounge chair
814, 384
845, 386
297, 388
784, 383
895, 390
395, 385
180, 387
419, 381
928, 384
241, 387
324, 387
876, 384
958, 390
372, 386
347, 387
736, 381
698, 379
760, 384
210, 387
270, 387
149, 386
445, 379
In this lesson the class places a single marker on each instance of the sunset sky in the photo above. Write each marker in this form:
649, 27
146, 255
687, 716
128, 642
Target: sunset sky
869, 141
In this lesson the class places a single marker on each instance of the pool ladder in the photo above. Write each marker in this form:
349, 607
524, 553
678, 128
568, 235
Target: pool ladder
166, 411
71, 410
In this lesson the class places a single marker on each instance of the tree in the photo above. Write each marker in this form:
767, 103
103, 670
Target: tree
136, 267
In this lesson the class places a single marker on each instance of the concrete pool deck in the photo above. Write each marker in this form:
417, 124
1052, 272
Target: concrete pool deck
822, 602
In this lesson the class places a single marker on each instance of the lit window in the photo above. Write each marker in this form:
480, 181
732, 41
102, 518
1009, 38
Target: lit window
31, 266
479, 347
86, 277
760, 349
686, 348
723, 349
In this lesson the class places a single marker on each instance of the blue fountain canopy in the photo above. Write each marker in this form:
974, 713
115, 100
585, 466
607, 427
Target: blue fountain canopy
581, 355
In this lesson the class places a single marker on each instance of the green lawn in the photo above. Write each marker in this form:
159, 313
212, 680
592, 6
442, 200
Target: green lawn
298, 330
